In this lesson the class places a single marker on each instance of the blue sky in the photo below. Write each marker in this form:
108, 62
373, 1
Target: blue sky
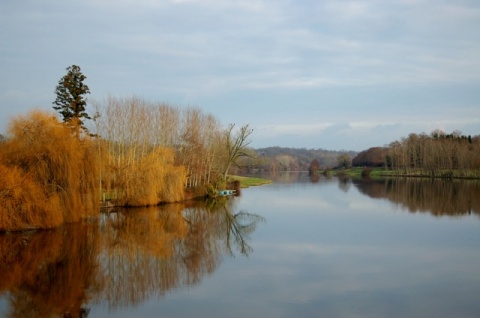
315, 74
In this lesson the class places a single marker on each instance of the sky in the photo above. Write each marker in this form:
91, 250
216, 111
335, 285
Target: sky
337, 75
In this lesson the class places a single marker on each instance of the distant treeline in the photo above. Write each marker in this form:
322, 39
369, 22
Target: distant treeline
437, 154
291, 159
136, 153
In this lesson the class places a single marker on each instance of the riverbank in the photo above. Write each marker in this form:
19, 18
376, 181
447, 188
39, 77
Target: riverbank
381, 173
200, 192
246, 182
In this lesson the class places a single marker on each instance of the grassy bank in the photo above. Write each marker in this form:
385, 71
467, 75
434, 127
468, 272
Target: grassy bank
246, 182
359, 172
381, 172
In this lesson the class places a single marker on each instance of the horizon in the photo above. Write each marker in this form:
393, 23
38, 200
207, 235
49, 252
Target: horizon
318, 75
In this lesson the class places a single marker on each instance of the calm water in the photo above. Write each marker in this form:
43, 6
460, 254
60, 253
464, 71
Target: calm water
295, 248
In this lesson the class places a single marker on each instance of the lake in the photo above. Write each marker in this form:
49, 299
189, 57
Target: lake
327, 247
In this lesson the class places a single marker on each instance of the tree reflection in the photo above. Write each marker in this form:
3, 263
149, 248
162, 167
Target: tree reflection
139, 248
436, 196
238, 227
234, 228
121, 259
150, 251
50, 273
344, 183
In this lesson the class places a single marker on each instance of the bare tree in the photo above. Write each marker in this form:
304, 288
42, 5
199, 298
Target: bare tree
236, 145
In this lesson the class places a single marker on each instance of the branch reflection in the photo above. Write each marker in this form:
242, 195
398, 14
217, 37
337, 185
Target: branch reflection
237, 227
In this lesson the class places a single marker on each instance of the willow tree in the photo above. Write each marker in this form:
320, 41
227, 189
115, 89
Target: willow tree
70, 101
48, 176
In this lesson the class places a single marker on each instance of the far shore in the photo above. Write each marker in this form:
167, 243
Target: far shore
416, 173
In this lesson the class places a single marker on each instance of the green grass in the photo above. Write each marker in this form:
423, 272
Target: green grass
357, 172
246, 182
381, 172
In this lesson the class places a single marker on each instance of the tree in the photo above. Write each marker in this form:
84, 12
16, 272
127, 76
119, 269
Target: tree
344, 161
236, 145
70, 102
314, 166
373, 157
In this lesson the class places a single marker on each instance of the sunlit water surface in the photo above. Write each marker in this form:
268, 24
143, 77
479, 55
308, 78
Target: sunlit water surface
295, 248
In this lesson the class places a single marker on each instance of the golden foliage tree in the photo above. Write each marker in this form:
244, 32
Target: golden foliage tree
155, 151
152, 179
51, 176
24, 204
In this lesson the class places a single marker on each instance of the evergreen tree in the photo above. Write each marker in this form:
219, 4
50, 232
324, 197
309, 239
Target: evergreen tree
70, 102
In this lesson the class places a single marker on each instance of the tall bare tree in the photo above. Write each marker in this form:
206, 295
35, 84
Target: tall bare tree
236, 144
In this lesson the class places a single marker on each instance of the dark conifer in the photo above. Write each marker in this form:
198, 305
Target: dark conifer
71, 102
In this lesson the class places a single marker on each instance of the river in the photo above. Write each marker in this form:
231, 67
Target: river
326, 247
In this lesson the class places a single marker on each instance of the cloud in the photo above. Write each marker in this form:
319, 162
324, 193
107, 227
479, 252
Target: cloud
299, 67
355, 136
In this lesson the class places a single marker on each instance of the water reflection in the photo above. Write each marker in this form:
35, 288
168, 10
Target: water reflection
436, 196
439, 197
120, 260
50, 273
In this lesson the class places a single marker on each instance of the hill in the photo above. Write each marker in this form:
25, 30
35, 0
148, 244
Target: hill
291, 159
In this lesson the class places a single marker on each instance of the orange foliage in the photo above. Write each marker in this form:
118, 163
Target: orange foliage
24, 203
48, 171
50, 175
151, 179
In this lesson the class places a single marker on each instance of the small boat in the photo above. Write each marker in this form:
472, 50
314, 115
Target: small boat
226, 192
